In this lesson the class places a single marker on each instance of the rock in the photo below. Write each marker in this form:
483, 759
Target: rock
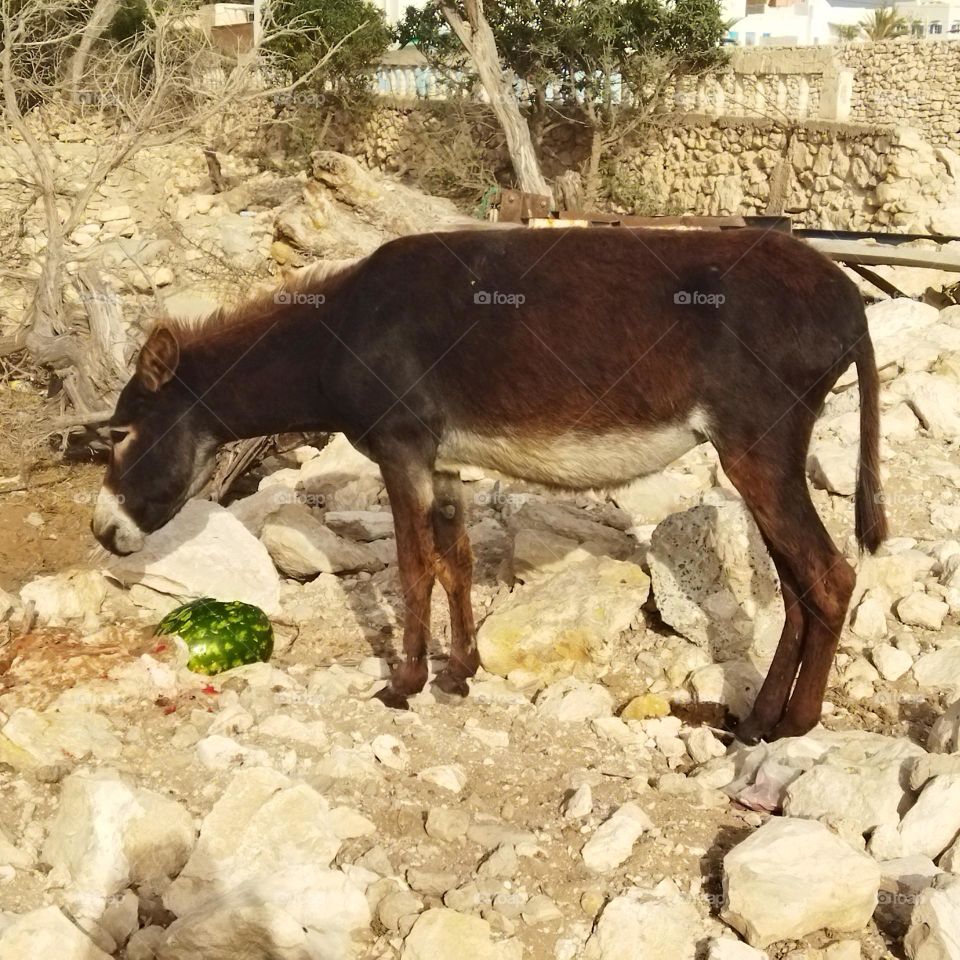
894, 325
566, 624
792, 877
144, 943
890, 661
944, 736
390, 751
646, 706
55, 736
203, 551
393, 908
452, 777
903, 879
933, 822
570, 523
939, 670
870, 620
253, 511
922, 610
246, 839
362, 525
950, 861
579, 804
714, 582
935, 400
612, 842
120, 211
537, 554
833, 467
47, 933
727, 949
733, 684
109, 834
301, 546
446, 823
67, 597
702, 745
11, 856
645, 925
934, 932
540, 909
289, 913
441, 933
650, 499
573, 701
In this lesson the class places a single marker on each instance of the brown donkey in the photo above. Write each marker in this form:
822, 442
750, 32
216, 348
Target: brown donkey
574, 358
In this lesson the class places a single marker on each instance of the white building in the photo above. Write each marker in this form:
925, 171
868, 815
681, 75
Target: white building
940, 21
809, 22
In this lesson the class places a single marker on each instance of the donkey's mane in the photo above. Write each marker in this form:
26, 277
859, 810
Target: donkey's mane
325, 277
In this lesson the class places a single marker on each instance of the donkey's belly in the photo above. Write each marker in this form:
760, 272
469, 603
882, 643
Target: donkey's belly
576, 459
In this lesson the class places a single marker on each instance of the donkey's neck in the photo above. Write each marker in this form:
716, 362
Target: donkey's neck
259, 378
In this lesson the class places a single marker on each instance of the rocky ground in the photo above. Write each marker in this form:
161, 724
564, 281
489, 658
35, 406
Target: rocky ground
569, 808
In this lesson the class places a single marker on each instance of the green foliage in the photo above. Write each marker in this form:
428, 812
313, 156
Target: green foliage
130, 19
883, 23
311, 27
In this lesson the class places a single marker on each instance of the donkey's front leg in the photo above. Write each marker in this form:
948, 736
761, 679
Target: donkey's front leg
410, 491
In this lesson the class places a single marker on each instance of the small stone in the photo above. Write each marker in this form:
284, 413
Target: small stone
644, 707
573, 700
922, 610
447, 823
442, 933
46, 933
934, 932
870, 620
613, 840
452, 778
726, 949
933, 822
579, 804
393, 908
890, 661
540, 909
390, 752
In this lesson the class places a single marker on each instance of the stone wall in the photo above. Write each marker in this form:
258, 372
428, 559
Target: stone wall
907, 81
841, 175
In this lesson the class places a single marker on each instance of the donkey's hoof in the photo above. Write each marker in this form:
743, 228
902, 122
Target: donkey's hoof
789, 727
448, 683
752, 730
391, 698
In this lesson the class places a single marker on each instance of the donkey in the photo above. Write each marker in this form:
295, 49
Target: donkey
578, 358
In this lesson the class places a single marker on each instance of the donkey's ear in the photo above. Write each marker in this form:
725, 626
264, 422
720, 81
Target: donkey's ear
158, 359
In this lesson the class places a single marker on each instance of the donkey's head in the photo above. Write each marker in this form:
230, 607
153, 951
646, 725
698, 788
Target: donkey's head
162, 451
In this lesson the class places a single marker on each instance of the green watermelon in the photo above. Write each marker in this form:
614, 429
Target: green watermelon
220, 635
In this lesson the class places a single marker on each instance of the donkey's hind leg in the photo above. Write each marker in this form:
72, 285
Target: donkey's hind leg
455, 570
771, 479
410, 491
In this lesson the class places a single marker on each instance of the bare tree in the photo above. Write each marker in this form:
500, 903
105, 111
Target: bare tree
167, 84
477, 38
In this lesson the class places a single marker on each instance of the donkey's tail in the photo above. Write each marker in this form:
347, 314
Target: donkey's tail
871, 518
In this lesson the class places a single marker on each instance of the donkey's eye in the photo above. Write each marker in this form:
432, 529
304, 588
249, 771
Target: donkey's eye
117, 435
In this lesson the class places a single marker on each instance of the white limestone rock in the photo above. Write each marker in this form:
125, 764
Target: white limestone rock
68, 597
46, 932
646, 925
301, 546
567, 624
939, 670
933, 822
793, 877
944, 736
922, 610
441, 932
727, 949
204, 551
56, 736
935, 399
574, 701
363, 525
713, 580
934, 932
108, 834
890, 661
291, 913
612, 842
833, 467
246, 838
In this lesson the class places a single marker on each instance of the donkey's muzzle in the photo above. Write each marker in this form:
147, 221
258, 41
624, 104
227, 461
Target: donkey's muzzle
113, 527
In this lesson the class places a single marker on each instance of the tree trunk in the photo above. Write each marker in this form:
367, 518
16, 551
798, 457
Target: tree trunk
217, 178
100, 19
592, 177
481, 46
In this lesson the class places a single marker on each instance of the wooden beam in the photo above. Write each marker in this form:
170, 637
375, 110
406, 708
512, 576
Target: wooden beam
871, 254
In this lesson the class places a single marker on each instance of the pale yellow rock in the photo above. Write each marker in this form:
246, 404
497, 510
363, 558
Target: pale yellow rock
644, 707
